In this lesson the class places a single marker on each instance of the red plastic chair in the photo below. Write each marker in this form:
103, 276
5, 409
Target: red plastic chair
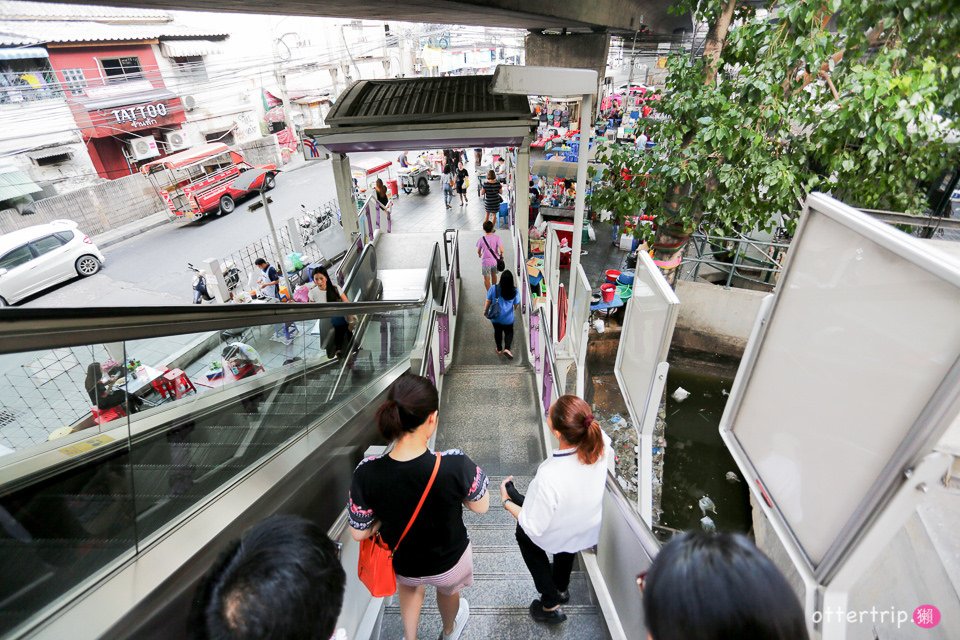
178, 383
101, 416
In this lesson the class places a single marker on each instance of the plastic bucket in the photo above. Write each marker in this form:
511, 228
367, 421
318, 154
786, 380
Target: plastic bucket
392, 187
608, 291
626, 278
612, 275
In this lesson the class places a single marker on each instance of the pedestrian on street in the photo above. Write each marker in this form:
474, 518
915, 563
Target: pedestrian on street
490, 251
561, 512
491, 196
503, 298
448, 180
461, 183
478, 158
269, 279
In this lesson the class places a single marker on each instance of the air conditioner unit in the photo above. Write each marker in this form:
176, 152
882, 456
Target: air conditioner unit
143, 148
176, 140
189, 103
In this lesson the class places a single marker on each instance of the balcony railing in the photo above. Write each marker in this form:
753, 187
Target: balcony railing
29, 86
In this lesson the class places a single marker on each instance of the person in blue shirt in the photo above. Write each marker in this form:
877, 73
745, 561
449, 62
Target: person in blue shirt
504, 297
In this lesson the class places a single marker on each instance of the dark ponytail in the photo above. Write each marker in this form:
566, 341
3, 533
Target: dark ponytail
409, 403
574, 420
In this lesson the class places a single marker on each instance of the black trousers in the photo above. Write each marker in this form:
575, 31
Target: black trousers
550, 580
503, 334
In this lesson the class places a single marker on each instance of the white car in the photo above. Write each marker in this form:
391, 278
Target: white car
38, 257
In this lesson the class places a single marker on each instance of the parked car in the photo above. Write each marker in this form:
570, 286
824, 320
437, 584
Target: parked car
38, 257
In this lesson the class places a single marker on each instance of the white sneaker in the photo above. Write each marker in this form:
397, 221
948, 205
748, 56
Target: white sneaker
463, 614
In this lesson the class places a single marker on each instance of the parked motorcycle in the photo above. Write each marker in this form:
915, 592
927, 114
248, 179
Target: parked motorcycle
201, 291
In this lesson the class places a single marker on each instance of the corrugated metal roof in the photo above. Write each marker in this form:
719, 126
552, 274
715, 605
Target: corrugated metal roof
424, 101
15, 32
50, 11
16, 184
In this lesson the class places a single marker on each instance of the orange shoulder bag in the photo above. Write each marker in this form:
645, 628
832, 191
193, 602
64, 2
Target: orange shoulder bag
375, 567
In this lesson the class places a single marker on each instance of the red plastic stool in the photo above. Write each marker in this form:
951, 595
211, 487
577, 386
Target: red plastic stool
162, 387
101, 416
178, 383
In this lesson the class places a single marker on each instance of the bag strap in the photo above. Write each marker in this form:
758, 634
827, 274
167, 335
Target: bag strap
423, 498
495, 256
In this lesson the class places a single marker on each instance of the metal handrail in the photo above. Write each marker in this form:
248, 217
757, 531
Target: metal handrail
35, 329
767, 265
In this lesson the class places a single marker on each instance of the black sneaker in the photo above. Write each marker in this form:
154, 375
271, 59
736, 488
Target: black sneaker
564, 597
550, 617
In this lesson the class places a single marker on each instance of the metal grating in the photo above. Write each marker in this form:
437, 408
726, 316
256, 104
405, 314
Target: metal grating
425, 100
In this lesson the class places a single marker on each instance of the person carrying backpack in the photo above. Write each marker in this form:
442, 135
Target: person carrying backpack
501, 299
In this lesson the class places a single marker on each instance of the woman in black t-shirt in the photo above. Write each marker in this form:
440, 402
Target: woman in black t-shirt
384, 495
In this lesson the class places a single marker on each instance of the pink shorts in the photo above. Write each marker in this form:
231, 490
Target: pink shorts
450, 582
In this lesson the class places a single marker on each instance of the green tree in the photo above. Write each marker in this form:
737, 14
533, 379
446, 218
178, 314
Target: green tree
858, 98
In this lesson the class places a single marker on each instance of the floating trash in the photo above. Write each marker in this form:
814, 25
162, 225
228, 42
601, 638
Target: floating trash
708, 524
680, 394
732, 477
724, 392
599, 326
706, 504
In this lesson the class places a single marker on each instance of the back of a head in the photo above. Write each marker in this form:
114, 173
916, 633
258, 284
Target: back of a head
491, 175
717, 586
281, 580
572, 418
409, 403
508, 288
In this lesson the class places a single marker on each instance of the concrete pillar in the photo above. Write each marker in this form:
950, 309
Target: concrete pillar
574, 50
343, 179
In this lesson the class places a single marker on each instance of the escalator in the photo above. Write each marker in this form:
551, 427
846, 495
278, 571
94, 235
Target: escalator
106, 531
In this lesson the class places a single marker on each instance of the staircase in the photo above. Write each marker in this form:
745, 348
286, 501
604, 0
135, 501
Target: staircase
489, 409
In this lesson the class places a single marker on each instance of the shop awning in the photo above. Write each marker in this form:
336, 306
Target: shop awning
123, 99
16, 184
188, 48
49, 152
23, 53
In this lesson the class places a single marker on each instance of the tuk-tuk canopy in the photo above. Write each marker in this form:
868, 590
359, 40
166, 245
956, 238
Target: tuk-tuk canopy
192, 155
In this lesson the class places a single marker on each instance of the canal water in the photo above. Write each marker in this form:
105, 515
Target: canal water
697, 465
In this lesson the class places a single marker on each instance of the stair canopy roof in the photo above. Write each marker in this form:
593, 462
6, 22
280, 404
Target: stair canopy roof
419, 113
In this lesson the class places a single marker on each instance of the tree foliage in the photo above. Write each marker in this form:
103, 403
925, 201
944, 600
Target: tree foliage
858, 98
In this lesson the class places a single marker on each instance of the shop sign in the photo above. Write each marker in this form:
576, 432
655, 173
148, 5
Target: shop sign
142, 116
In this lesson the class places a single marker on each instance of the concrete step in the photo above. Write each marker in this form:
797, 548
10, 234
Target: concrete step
513, 591
503, 623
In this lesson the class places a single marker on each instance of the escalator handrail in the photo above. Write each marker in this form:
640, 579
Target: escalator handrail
43, 329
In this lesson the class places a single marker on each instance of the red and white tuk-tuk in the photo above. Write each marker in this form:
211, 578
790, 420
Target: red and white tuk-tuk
199, 180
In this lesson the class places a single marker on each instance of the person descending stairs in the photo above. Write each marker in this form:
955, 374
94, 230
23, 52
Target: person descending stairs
489, 410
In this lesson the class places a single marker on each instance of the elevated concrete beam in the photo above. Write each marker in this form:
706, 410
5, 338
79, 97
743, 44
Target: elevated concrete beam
616, 15
574, 51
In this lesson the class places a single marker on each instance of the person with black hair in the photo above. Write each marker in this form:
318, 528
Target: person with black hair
503, 297
281, 580
103, 395
490, 252
714, 586
461, 177
561, 512
323, 290
386, 490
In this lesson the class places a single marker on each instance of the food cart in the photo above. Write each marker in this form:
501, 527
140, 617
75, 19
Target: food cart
366, 171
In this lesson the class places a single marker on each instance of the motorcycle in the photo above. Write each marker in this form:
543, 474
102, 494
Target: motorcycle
313, 222
201, 292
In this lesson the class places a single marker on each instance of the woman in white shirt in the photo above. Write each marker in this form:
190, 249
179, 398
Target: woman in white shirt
560, 514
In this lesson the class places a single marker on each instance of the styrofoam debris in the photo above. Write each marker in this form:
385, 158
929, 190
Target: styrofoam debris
680, 394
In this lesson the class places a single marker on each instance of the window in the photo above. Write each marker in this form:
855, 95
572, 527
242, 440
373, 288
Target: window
191, 68
65, 236
74, 81
46, 244
54, 159
121, 69
226, 136
17, 257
